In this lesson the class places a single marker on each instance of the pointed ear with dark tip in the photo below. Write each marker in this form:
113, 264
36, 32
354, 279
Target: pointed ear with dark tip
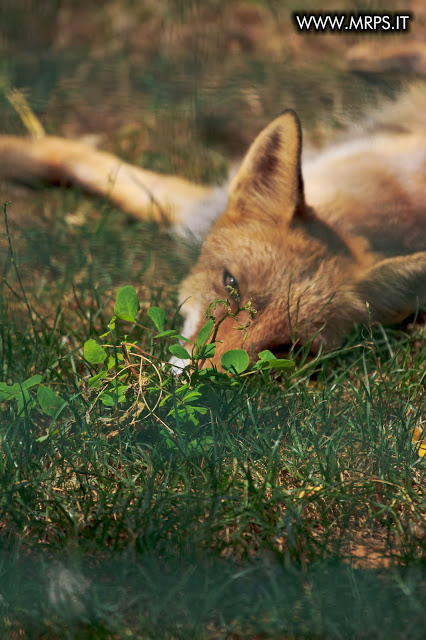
269, 181
394, 287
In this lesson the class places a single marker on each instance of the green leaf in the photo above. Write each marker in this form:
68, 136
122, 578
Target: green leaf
179, 351
262, 364
282, 365
266, 355
202, 410
191, 395
49, 401
10, 392
107, 400
163, 334
31, 382
267, 360
114, 393
43, 438
182, 390
207, 351
158, 316
93, 352
94, 381
204, 333
126, 303
235, 360
170, 444
24, 399
110, 363
211, 373
276, 363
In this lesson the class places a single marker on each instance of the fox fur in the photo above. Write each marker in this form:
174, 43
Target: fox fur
317, 249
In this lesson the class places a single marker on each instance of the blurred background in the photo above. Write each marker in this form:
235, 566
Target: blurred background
182, 86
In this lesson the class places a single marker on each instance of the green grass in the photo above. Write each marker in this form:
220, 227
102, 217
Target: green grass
264, 506
290, 507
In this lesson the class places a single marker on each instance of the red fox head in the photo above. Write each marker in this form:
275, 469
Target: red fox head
306, 280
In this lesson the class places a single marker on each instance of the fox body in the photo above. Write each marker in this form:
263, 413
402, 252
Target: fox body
315, 250
310, 259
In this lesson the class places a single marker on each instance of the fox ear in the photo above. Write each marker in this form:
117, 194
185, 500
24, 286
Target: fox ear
269, 180
394, 287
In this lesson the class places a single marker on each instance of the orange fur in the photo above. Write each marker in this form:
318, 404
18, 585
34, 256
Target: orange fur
310, 272
310, 259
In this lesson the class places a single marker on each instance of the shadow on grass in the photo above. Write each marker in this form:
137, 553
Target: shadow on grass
76, 598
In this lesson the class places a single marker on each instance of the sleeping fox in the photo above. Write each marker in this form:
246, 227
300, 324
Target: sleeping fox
315, 248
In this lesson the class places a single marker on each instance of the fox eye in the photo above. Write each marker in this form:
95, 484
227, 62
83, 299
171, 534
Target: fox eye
230, 281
